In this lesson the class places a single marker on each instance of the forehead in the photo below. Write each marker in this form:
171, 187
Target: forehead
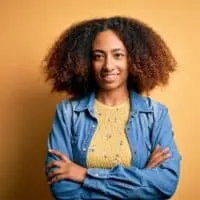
108, 40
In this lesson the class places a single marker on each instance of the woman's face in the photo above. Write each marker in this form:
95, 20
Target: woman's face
109, 61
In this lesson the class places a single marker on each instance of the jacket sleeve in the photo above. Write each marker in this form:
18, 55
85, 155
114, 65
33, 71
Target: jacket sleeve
133, 183
59, 139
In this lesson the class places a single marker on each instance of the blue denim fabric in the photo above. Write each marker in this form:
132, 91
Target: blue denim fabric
148, 125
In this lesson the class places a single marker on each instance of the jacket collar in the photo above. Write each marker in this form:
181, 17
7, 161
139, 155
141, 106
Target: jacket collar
138, 103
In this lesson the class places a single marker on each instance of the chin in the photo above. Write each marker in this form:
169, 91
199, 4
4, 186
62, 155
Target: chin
109, 87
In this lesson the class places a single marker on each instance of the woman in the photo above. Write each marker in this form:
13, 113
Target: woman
107, 140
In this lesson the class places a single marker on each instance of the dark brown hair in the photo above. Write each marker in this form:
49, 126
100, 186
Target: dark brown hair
68, 63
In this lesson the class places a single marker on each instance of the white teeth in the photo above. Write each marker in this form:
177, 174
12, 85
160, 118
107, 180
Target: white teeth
109, 77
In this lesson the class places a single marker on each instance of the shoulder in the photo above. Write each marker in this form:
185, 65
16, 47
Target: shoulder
159, 110
146, 104
73, 105
67, 106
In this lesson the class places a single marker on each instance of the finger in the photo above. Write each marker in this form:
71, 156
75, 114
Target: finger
55, 173
162, 158
55, 163
57, 178
159, 153
159, 160
156, 150
59, 154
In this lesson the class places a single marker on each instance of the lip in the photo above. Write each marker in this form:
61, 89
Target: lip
109, 74
109, 77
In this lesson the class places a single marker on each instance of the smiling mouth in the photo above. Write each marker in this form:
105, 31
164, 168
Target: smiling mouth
109, 74
109, 77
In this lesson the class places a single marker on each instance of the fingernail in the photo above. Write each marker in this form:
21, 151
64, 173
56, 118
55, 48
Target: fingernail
50, 150
169, 155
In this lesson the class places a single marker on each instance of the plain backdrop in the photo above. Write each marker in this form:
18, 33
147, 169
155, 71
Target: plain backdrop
28, 29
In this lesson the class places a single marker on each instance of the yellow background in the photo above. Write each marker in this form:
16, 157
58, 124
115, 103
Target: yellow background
28, 28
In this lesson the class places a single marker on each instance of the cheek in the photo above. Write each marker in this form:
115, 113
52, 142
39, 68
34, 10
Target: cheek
124, 76
124, 69
96, 68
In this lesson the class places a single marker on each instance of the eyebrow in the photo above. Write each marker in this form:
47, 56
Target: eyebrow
113, 50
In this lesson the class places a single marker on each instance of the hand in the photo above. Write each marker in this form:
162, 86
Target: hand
158, 156
65, 169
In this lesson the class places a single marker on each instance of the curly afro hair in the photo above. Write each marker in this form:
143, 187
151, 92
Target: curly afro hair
68, 63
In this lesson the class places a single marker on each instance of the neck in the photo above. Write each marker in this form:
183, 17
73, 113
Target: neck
112, 97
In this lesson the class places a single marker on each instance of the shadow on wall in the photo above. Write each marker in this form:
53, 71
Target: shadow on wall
34, 108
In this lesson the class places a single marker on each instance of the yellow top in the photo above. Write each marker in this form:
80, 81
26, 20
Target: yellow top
109, 145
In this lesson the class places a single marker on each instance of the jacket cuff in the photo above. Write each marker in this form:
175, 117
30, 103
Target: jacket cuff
98, 173
93, 175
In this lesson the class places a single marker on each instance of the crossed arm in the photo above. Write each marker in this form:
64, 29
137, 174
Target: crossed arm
71, 181
66, 169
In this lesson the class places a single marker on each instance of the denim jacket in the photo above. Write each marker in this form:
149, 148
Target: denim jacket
148, 125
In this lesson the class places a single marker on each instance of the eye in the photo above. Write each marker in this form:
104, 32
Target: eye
118, 56
97, 57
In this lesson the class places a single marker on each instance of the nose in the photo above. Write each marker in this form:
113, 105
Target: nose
109, 64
